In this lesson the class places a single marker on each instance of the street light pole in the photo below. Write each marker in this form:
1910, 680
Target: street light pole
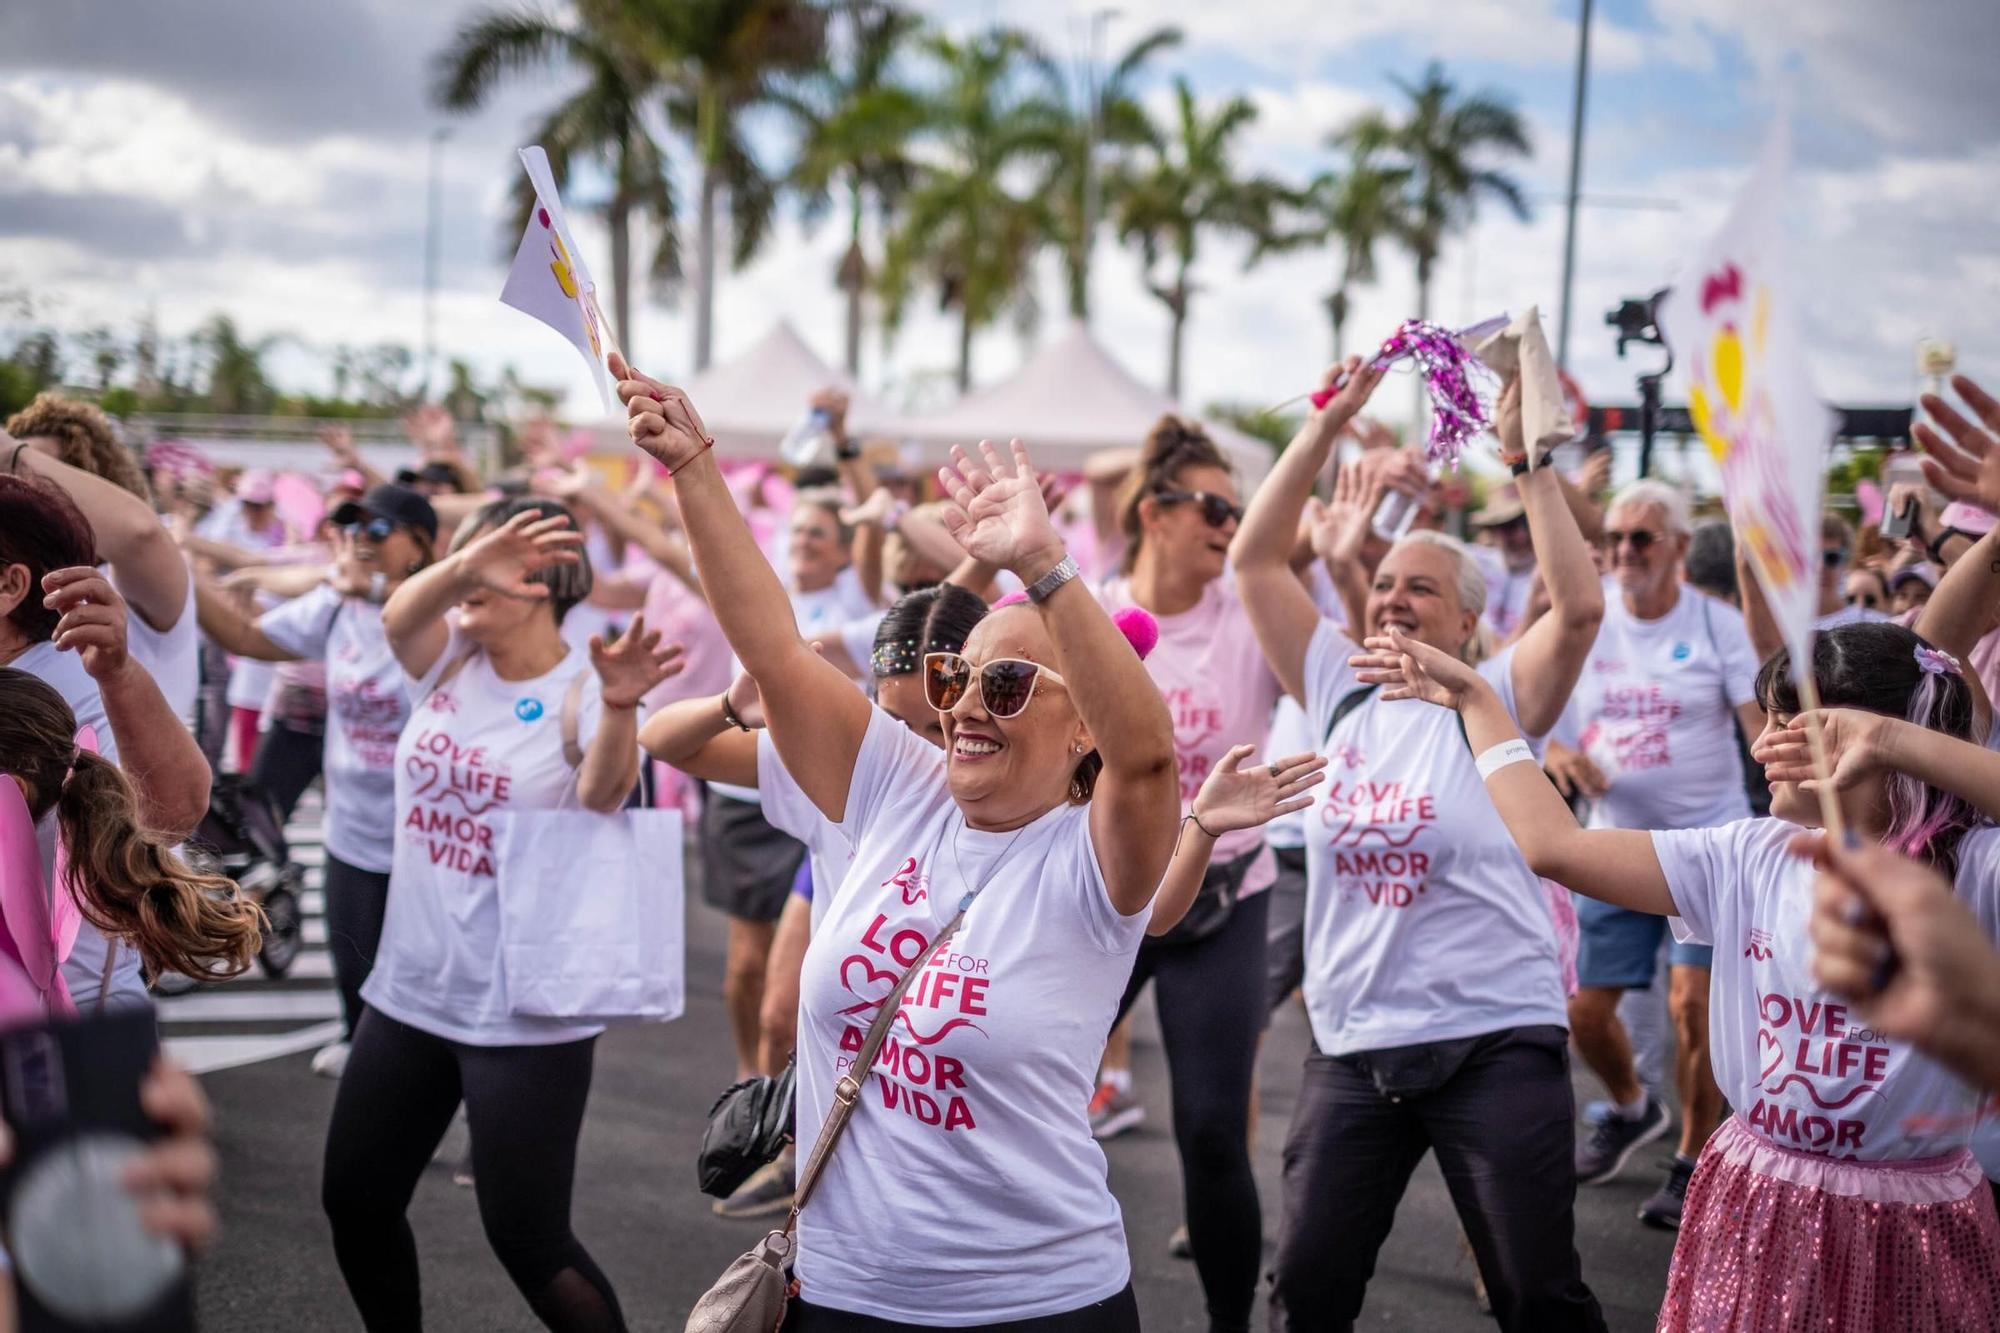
1575, 182
1091, 202
431, 217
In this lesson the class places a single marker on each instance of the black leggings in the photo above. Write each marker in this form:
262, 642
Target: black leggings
287, 761
524, 1107
1211, 1000
1119, 1314
355, 902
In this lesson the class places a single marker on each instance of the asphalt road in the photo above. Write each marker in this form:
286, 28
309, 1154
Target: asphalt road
638, 1211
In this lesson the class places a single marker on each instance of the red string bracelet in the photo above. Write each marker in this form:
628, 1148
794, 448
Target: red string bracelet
706, 445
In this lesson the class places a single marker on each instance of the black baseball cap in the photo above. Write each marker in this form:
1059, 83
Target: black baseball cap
398, 504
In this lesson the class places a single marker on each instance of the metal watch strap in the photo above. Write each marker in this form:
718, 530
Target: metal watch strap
847, 1090
1044, 587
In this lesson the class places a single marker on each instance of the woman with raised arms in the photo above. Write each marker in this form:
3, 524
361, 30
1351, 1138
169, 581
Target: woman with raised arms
1841, 1193
968, 1192
1431, 976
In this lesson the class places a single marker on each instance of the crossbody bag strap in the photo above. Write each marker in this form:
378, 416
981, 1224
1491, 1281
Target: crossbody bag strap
847, 1091
572, 708
451, 670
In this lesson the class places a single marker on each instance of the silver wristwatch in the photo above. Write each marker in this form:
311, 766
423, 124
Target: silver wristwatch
1044, 587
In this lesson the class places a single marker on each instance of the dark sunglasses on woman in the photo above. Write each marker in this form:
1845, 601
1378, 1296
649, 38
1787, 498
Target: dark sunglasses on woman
375, 529
1005, 684
1217, 511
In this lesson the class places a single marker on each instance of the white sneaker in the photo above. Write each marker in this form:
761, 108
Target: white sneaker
331, 1061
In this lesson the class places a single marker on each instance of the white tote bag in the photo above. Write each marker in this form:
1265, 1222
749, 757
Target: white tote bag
591, 907
591, 914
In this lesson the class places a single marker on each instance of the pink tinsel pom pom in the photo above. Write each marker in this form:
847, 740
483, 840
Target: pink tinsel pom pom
1139, 628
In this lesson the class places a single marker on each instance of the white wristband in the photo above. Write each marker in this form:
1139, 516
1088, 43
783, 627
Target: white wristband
1500, 756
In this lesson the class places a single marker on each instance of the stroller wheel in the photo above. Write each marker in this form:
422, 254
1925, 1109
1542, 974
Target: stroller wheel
281, 940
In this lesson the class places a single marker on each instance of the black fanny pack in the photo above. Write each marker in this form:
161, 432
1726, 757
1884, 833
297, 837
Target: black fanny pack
749, 1125
1213, 901
1415, 1071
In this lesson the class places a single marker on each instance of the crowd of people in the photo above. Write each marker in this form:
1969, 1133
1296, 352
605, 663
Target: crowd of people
972, 760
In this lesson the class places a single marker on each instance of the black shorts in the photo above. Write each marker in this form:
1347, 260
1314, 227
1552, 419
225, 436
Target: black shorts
748, 866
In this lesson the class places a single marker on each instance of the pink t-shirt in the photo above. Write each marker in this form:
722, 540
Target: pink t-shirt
681, 616
1221, 693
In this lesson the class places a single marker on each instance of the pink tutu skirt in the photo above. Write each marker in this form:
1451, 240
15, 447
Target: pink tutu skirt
1774, 1240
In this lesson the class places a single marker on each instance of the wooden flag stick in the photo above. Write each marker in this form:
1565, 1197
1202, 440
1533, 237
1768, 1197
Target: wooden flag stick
1829, 799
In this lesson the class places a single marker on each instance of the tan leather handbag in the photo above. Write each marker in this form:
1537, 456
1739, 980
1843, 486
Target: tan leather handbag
752, 1293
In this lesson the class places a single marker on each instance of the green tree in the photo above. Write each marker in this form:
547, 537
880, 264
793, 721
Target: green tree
972, 224
722, 60
105, 352
237, 383
1353, 210
603, 122
1110, 124
856, 122
1189, 186
1443, 148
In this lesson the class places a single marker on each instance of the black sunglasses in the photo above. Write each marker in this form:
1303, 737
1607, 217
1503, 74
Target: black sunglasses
375, 528
1216, 510
1639, 538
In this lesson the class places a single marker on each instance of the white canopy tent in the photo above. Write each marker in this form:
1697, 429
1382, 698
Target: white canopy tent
1070, 399
752, 400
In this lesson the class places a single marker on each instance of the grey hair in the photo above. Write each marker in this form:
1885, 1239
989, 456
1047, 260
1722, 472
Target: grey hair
1669, 500
568, 584
1470, 578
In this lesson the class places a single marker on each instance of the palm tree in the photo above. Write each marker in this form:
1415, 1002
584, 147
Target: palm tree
1112, 121
722, 59
1353, 210
856, 123
604, 122
962, 225
1190, 187
237, 382
1442, 147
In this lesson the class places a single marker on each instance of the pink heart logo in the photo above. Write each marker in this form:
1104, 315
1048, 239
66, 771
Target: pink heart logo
424, 771
1765, 1037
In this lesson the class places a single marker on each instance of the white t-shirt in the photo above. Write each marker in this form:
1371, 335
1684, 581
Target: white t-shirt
366, 710
478, 745
789, 810
83, 970
1423, 923
1801, 1070
172, 657
968, 1189
1656, 712
1507, 589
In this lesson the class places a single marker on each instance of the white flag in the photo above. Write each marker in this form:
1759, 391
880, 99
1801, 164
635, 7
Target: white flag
550, 281
1734, 331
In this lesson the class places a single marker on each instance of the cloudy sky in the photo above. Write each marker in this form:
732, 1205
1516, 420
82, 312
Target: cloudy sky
269, 160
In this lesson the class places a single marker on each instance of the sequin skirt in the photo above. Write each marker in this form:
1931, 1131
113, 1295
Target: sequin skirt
1774, 1240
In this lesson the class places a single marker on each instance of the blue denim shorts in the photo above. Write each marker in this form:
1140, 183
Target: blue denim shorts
1618, 948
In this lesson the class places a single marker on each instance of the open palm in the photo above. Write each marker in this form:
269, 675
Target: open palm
1967, 468
997, 513
506, 558
1409, 669
629, 668
1233, 797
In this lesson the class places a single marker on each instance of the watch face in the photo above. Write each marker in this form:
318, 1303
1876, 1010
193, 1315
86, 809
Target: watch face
76, 1238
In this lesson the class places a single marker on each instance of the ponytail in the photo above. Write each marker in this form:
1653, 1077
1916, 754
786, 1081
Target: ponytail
1174, 443
129, 884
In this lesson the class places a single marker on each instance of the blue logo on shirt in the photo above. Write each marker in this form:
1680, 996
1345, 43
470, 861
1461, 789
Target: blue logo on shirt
1681, 652
528, 709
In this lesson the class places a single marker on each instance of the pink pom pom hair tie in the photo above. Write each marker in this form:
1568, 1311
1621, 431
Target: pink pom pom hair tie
1137, 625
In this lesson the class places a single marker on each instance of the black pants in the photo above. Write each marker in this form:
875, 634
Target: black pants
1502, 1130
1120, 1314
287, 761
1210, 995
524, 1106
356, 900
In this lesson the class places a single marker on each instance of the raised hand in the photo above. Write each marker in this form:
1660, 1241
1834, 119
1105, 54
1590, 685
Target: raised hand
1594, 477
997, 514
526, 544
433, 431
1853, 740
660, 418
93, 619
1968, 467
628, 669
1507, 423
1342, 529
1361, 377
1232, 797
872, 512
339, 442
832, 401
1408, 669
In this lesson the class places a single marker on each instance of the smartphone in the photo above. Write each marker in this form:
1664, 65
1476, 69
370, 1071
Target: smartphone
81, 1260
1897, 526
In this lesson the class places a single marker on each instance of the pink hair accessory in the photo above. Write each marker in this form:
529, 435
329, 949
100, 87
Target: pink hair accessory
1139, 628
1937, 662
1014, 598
